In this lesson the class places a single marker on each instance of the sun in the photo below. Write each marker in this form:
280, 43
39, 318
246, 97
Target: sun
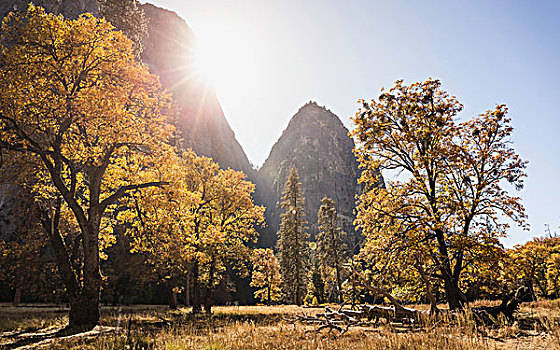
226, 57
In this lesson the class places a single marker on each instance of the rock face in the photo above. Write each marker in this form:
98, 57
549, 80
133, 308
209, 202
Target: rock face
69, 8
168, 52
317, 143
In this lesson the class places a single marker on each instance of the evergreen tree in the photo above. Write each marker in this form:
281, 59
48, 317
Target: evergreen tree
316, 285
293, 250
331, 248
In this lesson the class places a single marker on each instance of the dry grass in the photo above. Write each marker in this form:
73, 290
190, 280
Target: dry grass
259, 327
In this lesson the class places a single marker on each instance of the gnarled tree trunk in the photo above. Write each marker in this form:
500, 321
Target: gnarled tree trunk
84, 312
83, 293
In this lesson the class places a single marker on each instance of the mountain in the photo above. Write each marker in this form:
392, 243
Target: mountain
168, 51
69, 8
318, 144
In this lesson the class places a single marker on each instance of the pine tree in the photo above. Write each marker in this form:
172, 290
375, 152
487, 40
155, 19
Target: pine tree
293, 250
318, 284
331, 248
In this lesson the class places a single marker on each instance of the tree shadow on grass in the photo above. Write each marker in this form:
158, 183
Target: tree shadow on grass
37, 337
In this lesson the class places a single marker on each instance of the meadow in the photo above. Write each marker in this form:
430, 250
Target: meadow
269, 327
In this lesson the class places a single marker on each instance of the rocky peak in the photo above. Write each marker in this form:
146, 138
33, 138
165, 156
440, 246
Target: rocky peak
317, 143
311, 112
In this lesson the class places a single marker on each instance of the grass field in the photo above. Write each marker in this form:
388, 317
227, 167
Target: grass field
260, 327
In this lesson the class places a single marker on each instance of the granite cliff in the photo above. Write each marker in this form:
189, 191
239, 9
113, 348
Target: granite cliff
168, 52
69, 8
317, 143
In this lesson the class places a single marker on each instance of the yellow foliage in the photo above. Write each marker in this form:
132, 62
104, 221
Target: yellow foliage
205, 215
266, 276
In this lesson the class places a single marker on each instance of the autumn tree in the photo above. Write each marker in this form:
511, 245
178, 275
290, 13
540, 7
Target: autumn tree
232, 219
199, 224
266, 276
27, 267
553, 273
534, 265
158, 220
293, 250
316, 285
452, 183
331, 248
92, 122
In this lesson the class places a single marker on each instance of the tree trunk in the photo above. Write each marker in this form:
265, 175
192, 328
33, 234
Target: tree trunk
173, 300
84, 298
453, 294
210, 289
91, 288
196, 308
187, 290
171, 296
208, 300
84, 313
17, 296
338, 284
455, 298
297, 299
429, 290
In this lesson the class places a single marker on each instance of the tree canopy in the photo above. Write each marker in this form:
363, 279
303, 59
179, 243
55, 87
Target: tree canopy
199, 224
266, 276
89, 122
444, 212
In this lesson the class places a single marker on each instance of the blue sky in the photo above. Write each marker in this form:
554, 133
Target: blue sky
335, 52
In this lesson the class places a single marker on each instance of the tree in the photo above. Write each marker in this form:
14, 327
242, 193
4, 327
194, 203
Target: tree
266, 276
293, 250
553, 273
232, 219
331, 248
26, 264
316, 286
452, 182
535, 265
196, 226
91, 122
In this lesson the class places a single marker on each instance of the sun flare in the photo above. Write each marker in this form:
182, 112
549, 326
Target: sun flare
226, 57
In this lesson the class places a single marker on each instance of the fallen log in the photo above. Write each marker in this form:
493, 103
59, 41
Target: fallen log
342, 320
489, 315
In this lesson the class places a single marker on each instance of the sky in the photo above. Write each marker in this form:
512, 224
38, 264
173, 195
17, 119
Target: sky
266, 59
